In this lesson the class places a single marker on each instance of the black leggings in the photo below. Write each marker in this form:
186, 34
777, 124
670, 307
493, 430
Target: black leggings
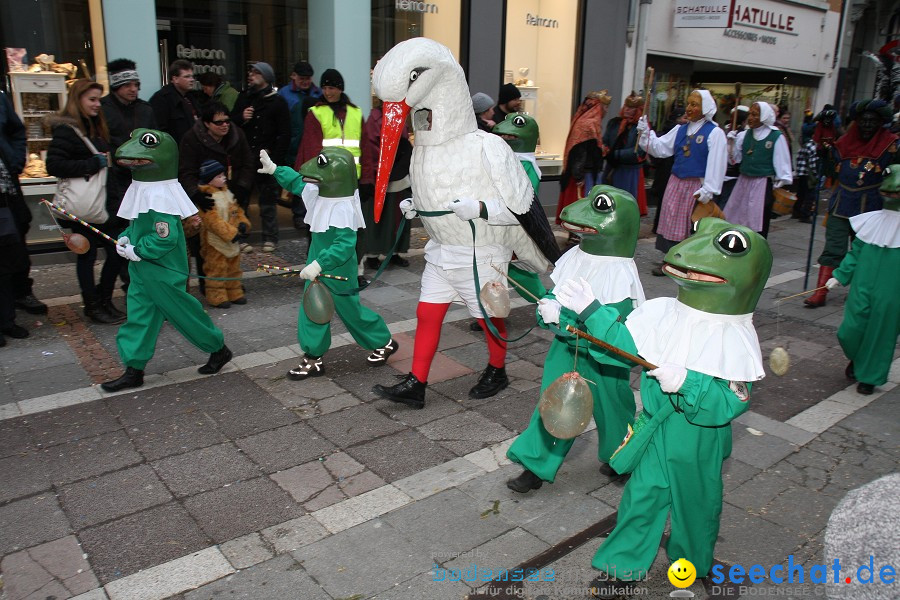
84, 265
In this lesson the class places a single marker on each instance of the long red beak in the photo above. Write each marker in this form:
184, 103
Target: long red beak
392, 122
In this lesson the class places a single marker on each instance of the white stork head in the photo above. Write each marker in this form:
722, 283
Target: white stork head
422, 75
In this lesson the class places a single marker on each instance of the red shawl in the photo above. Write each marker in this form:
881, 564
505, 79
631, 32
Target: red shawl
587, 124
850, 145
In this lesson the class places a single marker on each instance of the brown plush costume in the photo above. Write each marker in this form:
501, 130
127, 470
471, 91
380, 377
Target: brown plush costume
221, 255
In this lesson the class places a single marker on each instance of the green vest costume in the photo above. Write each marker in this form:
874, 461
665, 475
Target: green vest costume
757, 156
333, 134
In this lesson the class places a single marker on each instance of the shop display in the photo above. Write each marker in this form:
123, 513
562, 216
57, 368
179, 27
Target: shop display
35, 167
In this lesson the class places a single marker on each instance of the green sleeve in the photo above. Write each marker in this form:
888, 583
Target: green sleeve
844, 273
709, 401
290, 180
153, 246
606, 323
342, 249
532, 175
127, 232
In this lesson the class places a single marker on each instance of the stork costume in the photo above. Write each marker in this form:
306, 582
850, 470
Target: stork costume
154, 242
707, 354
463, 179
609, 220
764, 156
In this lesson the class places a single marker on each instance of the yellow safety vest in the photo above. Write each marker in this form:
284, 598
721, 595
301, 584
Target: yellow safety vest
347, 137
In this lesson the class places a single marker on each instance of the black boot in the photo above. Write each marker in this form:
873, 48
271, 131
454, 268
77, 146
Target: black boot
106, 303
525, 482
94, 311
31, 305
492, 381
217, 360
866, 389
410, 391
131, 378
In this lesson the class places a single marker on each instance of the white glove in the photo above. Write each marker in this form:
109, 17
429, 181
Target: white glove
465, 208
311, 271
123, 241
731, 135
127, 251
778, 183
549, 310
643, 125
268, 167
408, 210
832, 283
575, 295
702, 196
671, 377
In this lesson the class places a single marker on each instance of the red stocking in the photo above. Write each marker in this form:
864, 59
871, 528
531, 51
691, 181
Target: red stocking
496, 348
430, 317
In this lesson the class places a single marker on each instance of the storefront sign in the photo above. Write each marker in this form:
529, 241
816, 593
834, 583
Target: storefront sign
703, 13
750, 36
195, 54
773, 20
536, 21
413, 6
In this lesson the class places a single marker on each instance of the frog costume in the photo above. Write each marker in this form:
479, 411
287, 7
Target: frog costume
154, 242
871, 325
708, 355
608, 220
328, 186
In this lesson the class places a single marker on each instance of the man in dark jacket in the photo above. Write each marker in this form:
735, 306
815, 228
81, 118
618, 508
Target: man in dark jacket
173, 107
15, 262
265, 119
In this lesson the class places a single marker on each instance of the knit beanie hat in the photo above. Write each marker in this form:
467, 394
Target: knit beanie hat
508, 92
332, 78
265, 69
209, 169
121, 71
879, 107
481, 102
304, 69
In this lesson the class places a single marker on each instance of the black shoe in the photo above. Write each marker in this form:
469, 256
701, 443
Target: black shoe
492, 380
240, 301
379, 356
399, 261
372, 263
131, 378
94, 311
362, 281
866, 389
410, 391
525, 482
15, 331
31, 305
216, 361
107, 305
849, 372
310, 367
607, 470
657, 271
225, 304
475, 326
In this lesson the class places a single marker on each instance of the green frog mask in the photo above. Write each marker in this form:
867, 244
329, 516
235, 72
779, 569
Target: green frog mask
150, 154
608, 220
890, 188
722, 268
519, 130
333, 170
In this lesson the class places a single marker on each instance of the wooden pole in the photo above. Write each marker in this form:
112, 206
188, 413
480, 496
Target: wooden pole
635, 359
648, 85
518, 285
737, 101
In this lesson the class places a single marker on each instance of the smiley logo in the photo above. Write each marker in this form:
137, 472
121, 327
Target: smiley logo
682, 573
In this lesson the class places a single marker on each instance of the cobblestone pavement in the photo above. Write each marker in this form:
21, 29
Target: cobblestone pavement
249, 485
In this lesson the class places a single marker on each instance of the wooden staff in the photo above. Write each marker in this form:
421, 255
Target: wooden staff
611, 348
66, 213
803, 293
294, 272
518, 285
737, 101
648, 85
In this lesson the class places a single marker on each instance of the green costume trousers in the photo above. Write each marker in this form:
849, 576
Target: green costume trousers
157, 292
543, 454
837, 239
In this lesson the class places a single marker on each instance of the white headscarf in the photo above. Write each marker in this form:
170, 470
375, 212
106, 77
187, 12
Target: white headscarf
766, 113
708, 105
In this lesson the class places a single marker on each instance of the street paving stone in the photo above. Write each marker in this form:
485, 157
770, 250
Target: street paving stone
354, 425
71, 424
205, 469
55, 569
280, 577
399, 455
285, 447
88, 457
111, 496
174, 435
32, 521
15, 437
23, 474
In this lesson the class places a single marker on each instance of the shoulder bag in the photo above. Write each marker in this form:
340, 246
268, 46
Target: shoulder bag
84, 197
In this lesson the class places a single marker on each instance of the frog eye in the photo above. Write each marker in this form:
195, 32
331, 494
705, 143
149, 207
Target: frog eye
604, 203
149, 139
519, 121
322, 160
732, 242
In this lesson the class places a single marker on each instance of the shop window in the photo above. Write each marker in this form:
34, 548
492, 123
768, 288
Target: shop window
394, 21
540, 61
58, 27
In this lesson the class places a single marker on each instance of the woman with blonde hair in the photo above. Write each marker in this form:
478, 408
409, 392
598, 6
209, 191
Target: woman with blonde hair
68, 157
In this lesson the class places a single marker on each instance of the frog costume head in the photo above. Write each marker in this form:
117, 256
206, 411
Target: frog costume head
722, 268
608, 220
150, 154
890, 188
333, 170
519, 130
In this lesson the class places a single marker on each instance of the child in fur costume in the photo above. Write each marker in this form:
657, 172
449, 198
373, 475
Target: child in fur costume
223, 227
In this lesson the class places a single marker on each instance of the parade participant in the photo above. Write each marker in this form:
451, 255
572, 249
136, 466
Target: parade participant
699, 147
860, 156
765, 164
155, 203
608, 220
583, 155
224, 225
474, 199
807, 170
327, 184
707, 353
871, 325
624, 160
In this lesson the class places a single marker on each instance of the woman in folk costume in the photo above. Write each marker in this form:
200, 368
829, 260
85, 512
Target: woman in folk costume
701, 156
624, 161
583, 157
765, 161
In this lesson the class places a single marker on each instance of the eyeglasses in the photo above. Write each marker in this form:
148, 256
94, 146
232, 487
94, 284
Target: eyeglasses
221, 122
